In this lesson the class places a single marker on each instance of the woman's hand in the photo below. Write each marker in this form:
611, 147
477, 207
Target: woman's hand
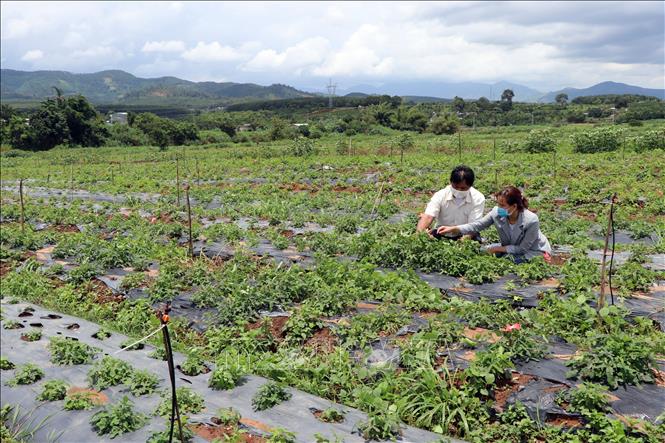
443, 230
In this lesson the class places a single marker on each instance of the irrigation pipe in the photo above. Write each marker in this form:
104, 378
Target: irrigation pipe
139, 341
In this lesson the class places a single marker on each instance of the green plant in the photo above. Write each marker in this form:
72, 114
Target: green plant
77, 401
488, 368
5, 364
158, 354
53, 390
633, 277
66, 351
280, 435
269, 395
332, 415
12, 324
17, 426
228, 416
102, 334
32, 335
380, 425
615, 359
540, 140
26, 374
142, 382
118, 419
108, 372
194, 364
188, 402
600, 139
586, 397
131, 345
163, 436
225, 376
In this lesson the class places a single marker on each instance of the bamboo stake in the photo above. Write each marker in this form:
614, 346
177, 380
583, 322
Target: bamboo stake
601, 297
20, 191
177, 180
459, 144
189, 219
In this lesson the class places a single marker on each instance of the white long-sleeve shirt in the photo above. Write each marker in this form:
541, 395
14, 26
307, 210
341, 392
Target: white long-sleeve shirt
448, 212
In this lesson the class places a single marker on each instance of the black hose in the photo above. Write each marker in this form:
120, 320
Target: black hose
175, 413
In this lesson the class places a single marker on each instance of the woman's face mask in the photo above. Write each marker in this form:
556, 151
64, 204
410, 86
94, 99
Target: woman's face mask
502, 212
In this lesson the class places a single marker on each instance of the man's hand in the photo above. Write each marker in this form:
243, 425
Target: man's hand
495, 249
443, 230
424, 223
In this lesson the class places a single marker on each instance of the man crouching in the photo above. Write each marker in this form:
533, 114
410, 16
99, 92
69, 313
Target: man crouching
458, 203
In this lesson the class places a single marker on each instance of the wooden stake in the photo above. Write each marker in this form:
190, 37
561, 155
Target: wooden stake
189, 219
459, 144
20, 192
601, 297
198, 177
177, 180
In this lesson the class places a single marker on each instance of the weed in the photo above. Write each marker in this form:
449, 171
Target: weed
118, 419
269, 395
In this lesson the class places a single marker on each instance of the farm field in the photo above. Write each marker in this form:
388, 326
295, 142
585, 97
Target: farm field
306, 270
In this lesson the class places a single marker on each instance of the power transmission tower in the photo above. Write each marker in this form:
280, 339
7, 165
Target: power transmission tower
331, 92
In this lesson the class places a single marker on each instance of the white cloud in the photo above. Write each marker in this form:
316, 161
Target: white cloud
99, 53
32, 55
294, 58
16, 28
164, 46
211, 52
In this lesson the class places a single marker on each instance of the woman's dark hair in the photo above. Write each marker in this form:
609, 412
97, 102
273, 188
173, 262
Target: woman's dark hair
461, 174
513, 196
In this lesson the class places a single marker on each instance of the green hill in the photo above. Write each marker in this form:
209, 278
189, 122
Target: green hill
120, 87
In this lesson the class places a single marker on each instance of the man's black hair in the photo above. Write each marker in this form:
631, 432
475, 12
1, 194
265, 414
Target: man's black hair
461, 174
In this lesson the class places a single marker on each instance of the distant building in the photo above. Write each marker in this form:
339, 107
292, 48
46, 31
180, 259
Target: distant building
244, 128
118, 117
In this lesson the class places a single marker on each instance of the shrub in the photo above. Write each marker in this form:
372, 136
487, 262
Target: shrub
650, 140
188, 402
26, 374
108, 372
615, 359
65, 351
118, 419
302, 147
5, 364
78, 401
540, 140
269, 395
142, 382
600, 139
444, 124
53, 390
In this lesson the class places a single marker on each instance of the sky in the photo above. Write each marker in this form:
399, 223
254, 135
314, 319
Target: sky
543, 45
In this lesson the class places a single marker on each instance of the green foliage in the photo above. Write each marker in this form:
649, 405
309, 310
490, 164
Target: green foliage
226, 375
194, 364
586, 397
488, 368
332, 415
632, 277
77, 401
53, 390
108, 372
302, 147
26, 374
269, 395
163, 436
32, 335
118, 419
540, 140
444, 124
12, 324
615, 359
279, 435
188, 402
142, 382
228, 416
66, 351
380, 425
649, 140
5, 364
600, 139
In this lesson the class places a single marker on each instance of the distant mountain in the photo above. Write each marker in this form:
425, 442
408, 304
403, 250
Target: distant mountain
434, 89
605, 88
121, 87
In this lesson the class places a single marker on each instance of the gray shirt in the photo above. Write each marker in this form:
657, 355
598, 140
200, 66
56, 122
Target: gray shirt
524, 238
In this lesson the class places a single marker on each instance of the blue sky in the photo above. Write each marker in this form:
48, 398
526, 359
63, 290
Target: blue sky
545, 45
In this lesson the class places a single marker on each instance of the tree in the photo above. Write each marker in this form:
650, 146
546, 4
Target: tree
458, 104
507, 99
444, 124
561, 99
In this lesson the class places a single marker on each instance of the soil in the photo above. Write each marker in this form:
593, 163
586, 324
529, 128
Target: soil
565, 422
98, 398
370, 306
479, 334
505, 390
318, 412
65, 228
352, 189
5, 268
288, 233
323, 341
298, 187
103, 294
210, 433
275, 325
